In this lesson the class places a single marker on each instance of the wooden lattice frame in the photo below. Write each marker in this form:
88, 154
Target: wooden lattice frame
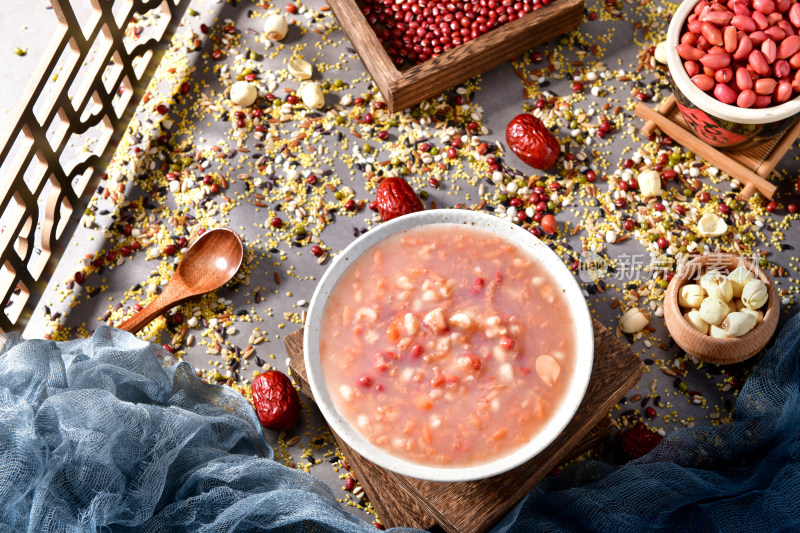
90, 79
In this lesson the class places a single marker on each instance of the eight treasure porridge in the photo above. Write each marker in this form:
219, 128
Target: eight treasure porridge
447, 348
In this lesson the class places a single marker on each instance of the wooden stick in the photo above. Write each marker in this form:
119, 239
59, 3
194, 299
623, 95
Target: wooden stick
665, 109
710, 154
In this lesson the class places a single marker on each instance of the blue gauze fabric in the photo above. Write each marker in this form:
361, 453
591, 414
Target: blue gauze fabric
96, 436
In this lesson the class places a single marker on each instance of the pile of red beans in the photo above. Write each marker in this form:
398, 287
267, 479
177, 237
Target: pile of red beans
415, 31
743, 52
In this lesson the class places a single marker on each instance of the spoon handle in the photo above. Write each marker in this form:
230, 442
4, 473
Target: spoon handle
168, 299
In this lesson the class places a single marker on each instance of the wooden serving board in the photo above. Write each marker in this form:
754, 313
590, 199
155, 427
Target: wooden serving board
752, 166
475, 506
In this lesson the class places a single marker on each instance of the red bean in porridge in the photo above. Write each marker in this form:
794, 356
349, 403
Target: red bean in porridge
447, 348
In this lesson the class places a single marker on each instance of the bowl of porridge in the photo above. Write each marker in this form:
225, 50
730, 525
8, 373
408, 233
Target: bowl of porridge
448, 345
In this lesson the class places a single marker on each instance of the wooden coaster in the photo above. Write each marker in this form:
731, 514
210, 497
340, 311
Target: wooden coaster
751, 166
475, 506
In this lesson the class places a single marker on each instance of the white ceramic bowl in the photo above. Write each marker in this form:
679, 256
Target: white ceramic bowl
520, 237
721, 125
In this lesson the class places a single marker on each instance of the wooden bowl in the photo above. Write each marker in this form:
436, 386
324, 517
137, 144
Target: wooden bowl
411, 86
705, 347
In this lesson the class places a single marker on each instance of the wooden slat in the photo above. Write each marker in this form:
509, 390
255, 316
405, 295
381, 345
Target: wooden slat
474, 507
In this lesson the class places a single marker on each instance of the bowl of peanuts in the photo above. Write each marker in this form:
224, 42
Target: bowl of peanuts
735, 68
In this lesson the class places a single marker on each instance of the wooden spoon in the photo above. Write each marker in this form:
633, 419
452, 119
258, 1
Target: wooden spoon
208, 265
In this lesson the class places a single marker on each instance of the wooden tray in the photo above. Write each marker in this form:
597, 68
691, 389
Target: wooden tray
405, 88
751, 166
475, 506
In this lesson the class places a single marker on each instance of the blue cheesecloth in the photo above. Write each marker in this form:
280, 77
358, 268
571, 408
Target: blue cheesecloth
95, 435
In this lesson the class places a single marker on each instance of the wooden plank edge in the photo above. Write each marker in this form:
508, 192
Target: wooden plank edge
707, 152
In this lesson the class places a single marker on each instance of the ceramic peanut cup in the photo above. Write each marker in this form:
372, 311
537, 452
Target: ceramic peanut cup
584, 347
721, 125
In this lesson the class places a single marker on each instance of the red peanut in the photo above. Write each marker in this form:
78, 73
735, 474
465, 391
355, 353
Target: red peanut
783, 92
764, 6
724, 75
787, 27
692, 68
716, 61
745, 52
758, 37
744, 23
743, 79
789, 47
730, 39
720, 18
740, 8
769, 50
689, 53
782, 6
761, 20
746, 98
759, 64
744, 48
703, 82
781, 69
794, 15
765, 86
711, 33
724, 94
775, 33
689, 38
773, 19
762, 101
